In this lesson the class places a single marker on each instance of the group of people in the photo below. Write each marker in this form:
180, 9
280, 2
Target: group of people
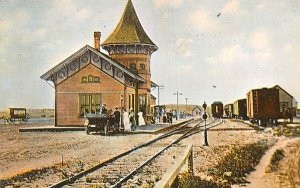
129, 120
166, 115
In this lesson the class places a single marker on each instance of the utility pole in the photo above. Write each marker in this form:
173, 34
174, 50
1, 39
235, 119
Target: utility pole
177, 93
186, 99
204, 116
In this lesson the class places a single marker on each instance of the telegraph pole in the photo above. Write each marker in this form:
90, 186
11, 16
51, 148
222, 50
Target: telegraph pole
177, 93
186, 99
205, 130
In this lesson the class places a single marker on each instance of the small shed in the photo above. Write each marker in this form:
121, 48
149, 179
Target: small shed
285, 99
197, 111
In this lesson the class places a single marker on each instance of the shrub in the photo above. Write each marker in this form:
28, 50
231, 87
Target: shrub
276, 158
239, 162
190, 181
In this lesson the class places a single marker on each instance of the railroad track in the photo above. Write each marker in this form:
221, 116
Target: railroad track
119, 169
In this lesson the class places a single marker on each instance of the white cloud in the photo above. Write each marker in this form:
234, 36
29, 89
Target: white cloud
260, 39
182, 45
260, 6
63, 3
83, 13
287, 48
230, 55
5, 25
231, 6
202, 20
172, 3
33, 35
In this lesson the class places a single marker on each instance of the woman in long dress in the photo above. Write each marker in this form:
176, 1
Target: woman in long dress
141, 119
126, 121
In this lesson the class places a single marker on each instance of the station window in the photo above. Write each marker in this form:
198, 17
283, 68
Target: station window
84, 79
142, 66
89, 103
132, 66
131, 101
90, 79
142, 103
96, 79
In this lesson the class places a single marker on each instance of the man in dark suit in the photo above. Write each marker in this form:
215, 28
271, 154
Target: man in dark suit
117, 116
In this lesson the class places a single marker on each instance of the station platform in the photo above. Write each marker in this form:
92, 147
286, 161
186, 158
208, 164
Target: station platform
145, 129
160, 127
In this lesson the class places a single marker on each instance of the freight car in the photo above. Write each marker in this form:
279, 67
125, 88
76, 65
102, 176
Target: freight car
217, 109
240, 109
263, 105
228, 110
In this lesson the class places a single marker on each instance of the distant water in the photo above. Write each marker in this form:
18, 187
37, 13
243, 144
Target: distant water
40, 121
48, 121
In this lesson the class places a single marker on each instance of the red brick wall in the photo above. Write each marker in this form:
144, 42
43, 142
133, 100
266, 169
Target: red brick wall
68, 91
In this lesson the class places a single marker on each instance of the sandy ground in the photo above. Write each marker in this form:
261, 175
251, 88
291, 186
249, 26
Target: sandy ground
221, 139
261, 177
22, 152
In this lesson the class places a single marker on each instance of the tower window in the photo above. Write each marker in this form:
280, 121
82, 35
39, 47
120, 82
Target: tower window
132, 66
142, 67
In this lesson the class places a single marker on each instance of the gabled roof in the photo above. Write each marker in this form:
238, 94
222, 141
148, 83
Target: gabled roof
129, 30
153, 84
152, 96
277, 86
80, 52
197, 107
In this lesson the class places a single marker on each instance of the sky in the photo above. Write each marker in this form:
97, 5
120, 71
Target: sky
251, 44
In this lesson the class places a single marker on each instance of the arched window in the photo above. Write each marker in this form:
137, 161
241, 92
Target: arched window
132, 66
84, 79
142, 66
91, 79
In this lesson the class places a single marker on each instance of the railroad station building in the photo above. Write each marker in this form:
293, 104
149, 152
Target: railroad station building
89, 78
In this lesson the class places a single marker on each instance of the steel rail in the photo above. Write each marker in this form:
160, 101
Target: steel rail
132, 173
102, 164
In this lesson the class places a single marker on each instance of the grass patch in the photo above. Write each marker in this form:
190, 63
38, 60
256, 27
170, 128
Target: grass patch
28, 176
276, 158
234, 167
287, 131
188, 180
231, 169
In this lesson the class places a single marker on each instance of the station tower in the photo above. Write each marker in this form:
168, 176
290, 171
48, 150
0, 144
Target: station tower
129, 45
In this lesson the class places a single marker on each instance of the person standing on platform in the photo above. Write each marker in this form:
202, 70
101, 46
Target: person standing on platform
103, 109
141, 119
131, 120
170, 116
126, 121
117, 116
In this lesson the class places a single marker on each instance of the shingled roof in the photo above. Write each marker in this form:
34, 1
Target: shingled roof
129, 30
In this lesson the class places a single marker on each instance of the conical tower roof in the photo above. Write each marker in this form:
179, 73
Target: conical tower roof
129, 30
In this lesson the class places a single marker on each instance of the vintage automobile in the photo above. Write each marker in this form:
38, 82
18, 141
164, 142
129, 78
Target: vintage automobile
101, 123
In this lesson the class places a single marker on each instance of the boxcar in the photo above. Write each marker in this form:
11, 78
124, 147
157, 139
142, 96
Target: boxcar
240, 109
217, 109
228, 110
263, 105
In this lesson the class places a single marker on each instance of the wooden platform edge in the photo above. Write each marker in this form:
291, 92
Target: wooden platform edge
171, 175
